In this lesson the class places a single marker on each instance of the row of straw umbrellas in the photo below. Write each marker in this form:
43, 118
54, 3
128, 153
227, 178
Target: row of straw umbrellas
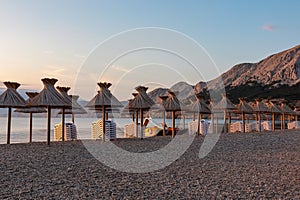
257, 108
48, 98
104, 101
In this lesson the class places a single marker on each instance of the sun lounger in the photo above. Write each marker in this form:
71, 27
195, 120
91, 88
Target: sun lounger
130, 130
266, 125
294, 125
70, 132
203, 129
110, 130
236, 127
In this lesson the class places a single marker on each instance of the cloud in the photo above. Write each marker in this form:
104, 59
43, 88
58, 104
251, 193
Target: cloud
56, 71
268, 27
120, 68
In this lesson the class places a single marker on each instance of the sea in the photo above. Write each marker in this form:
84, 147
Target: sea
20, 127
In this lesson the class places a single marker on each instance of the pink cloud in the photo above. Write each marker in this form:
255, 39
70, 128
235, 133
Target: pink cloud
268, 27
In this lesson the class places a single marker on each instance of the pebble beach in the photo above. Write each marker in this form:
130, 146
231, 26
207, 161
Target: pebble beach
240, 166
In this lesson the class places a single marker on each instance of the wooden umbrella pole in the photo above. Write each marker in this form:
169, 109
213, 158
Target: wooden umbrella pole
30, 127
229, 122
283, 121
48, 125
103, 121
259, 122
141, 124
217, 123
225, 123
198, 124
106, 116
273, 121
243, 120
137, 123
63, 125
173, 124
164, 123
212, 122
281, 125
73, 118
183, 121
8, 125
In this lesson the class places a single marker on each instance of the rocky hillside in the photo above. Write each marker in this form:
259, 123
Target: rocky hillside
277, 76
278, 69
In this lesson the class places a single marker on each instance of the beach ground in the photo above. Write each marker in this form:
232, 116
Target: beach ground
246, 166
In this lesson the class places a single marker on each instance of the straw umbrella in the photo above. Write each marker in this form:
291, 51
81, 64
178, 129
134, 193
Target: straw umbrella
133, 111
50, 98
259, 107
163, 101
10, 98
297, 109
103, 100
64, 92
31, 110
76, 108
226, 106
199, 107
173, 104
128, 111
244, 108
286, 110
141, 102
274, 110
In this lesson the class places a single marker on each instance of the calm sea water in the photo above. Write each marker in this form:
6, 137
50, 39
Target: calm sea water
20, 127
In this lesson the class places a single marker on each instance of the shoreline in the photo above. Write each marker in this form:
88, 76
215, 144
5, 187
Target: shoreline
133, 139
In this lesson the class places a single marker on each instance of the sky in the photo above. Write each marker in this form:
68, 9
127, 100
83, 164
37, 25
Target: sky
78, 42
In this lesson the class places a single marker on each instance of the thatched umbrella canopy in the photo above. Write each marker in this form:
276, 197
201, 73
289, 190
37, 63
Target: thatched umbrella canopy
226, 106
72, 99
103, 100
141, 102
260, 107
199, 107
162, 103
76, 107
10, 98
172, 104
285, 110
297, 109
244, 108
31, 110
274, 110
50, 98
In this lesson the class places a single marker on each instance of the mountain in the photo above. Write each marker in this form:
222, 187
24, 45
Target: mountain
154, 94
275, 77
281, 68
